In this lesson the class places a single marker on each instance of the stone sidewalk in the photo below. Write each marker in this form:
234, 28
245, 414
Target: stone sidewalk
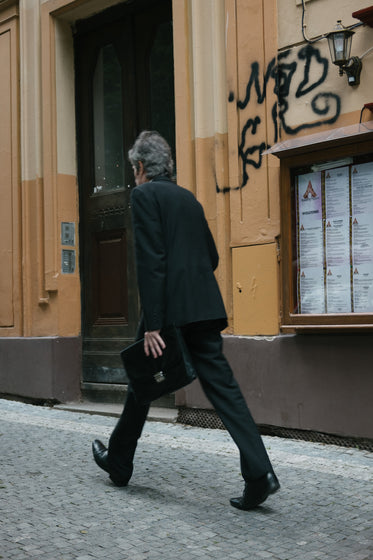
55, 504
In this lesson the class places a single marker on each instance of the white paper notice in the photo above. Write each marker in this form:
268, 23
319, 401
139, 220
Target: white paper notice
338, 289
362, 258
337, 240
362, 237
363, 288
311, 290
362, 188
337, 192
311, 286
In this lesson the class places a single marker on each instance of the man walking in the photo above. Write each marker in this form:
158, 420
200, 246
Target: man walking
176, 258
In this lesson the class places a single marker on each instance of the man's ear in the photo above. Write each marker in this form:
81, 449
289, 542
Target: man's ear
140, 167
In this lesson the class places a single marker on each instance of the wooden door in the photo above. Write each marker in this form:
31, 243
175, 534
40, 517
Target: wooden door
124, 84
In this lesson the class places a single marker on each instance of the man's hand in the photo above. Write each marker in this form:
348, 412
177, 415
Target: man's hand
153, 343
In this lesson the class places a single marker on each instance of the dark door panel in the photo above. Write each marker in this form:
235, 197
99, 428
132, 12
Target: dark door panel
110, 291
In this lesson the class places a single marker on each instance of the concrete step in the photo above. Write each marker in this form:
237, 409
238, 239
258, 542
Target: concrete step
112, 393
156, 414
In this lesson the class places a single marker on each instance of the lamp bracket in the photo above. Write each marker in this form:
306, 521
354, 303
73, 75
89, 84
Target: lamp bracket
353, 70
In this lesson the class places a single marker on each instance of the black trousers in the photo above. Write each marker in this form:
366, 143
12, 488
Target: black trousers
215, 375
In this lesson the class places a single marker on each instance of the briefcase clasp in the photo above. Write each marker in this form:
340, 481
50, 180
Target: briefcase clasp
159, 377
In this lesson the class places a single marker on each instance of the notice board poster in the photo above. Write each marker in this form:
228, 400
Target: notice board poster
362, 236
334, 209
337, 240
311, 286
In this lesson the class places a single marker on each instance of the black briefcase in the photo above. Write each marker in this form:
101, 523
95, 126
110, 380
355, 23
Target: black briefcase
153, 377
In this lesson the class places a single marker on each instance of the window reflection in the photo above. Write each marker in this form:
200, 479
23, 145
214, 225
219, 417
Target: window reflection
107, 122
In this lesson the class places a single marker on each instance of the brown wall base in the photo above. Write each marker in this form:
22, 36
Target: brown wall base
41, 368
307, 382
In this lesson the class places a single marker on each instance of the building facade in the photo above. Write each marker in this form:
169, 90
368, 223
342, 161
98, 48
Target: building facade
260, 122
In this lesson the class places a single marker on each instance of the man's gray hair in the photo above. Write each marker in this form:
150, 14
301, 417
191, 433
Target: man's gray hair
154, 152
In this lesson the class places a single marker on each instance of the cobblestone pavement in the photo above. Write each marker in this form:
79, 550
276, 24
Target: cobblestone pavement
57, 505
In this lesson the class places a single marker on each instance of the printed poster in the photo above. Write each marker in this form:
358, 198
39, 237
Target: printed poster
363, 288
362, 236
338, 289
337, 240
311, 290
362, 188
311, 286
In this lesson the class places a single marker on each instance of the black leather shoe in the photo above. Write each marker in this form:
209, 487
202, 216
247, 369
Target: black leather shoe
256, 492
100, 454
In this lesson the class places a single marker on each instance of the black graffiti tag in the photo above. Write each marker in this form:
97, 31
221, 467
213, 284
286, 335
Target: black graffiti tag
284, 73
323, 103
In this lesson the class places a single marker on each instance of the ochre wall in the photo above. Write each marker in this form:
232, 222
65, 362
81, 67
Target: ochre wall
214, 42
225, 62
201, 117
51, 299
55, 312
324, 100
254, 193
38, 187
254, 179
10, 194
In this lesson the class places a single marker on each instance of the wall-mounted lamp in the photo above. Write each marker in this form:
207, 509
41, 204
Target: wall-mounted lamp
340, 47
340, 43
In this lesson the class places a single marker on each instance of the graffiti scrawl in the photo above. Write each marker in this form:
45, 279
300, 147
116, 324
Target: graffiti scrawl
288, 77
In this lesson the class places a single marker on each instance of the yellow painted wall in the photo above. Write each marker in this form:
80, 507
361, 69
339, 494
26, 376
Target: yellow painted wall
253, 178
69, 308
10, 199
38, 186
201, 118
339, 102
215, 44
6, 186
252, 50
51, 299
225, 54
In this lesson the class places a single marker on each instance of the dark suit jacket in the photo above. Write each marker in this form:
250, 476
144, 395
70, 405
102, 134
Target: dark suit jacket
175, 257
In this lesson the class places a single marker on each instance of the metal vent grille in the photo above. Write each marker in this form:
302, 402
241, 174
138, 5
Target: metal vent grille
200, 418
209, 419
